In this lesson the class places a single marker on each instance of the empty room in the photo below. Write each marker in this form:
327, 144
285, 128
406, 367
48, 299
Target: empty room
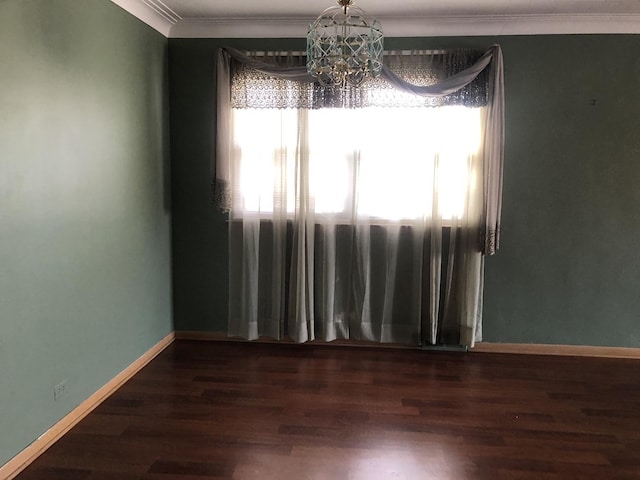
319, 240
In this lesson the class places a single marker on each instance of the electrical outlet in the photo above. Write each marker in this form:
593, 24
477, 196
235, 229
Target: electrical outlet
59, 390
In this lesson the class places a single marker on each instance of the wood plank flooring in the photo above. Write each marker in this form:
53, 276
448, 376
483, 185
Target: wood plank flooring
221, 410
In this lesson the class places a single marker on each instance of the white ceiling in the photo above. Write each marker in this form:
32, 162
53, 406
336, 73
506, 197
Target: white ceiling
279, 18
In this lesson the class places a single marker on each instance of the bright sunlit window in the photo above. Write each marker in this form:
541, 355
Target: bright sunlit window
381, 163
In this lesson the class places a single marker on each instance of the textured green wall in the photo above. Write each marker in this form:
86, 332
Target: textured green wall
568, 271
84, 222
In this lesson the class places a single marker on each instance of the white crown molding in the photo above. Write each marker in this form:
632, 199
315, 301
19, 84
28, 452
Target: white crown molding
483, 25
169, 23
152, 12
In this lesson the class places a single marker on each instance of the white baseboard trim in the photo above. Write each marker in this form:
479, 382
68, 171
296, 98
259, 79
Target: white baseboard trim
564, 350
23, 459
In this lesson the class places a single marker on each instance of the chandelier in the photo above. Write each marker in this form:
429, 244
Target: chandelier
344, 46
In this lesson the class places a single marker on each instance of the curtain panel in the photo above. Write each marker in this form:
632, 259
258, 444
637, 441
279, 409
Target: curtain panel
490, 63
301, 272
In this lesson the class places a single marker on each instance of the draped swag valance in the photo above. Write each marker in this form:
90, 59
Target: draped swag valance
253, 88
445, 77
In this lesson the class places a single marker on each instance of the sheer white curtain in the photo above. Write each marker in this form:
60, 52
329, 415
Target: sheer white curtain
363, 223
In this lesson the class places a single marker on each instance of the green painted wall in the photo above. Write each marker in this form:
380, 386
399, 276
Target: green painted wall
568, 271
84, 221
570, 268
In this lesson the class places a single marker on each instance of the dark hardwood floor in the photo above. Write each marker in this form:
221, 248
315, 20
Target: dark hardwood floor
224, 410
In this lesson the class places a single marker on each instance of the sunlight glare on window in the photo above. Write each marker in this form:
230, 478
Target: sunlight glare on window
389, 162
266, 140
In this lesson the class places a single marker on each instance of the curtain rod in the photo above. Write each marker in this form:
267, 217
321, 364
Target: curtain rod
278, 53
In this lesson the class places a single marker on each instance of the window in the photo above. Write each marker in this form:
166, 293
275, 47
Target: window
382, 163
337, 187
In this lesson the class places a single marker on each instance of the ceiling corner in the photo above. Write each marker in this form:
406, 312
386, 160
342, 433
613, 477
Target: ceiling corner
152, 12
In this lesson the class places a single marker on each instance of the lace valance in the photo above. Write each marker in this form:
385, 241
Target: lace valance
259, 88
